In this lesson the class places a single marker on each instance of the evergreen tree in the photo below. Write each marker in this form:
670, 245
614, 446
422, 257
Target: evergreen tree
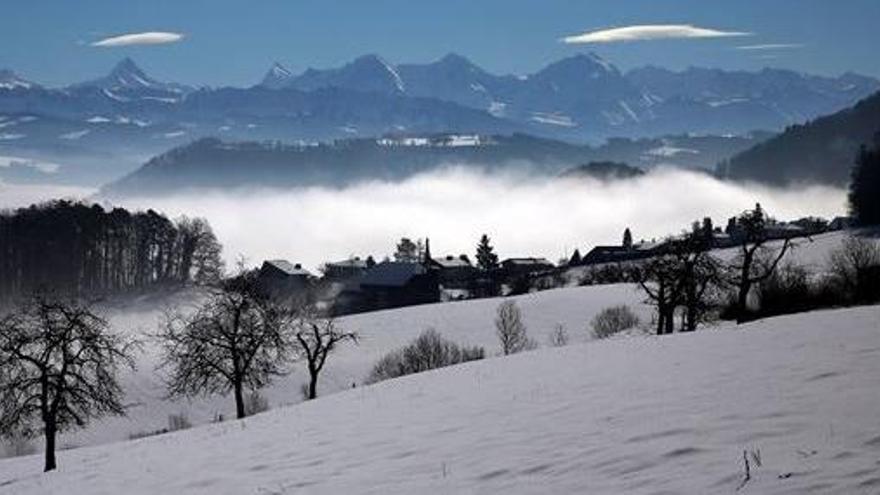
864, 190
627, 239
408, 251
487, 260
575, 258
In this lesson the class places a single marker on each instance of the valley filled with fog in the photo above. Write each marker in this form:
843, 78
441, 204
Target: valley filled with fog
526, 215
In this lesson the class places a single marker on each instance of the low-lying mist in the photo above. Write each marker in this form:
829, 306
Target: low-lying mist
523, 214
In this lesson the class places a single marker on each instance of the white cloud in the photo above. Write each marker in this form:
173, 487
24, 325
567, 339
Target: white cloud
771, 46
650, 32
524, 214
148, 38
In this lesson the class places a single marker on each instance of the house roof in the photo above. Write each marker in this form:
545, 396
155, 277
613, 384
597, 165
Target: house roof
452, 262
392, 274
349, 263
527, 261
287, 267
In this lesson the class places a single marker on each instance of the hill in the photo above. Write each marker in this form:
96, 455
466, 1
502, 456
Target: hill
212, 163
638, 415
602, 171
820, 151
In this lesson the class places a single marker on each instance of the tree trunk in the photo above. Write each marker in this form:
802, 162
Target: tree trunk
670, 320
50, 432
313, 385
239, 399
742, 302
660, 320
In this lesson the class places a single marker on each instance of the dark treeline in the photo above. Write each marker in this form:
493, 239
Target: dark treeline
83, 250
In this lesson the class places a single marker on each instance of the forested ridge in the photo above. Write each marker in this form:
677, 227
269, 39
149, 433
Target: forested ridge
83, 249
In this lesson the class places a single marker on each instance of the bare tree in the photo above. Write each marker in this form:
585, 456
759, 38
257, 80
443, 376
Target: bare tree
855, 266
235, 340
511, 330
755, 262
316, 338
58, 367
660, 278
699, 272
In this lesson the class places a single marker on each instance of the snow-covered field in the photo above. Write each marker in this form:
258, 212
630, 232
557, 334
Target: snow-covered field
646, 415
465, 322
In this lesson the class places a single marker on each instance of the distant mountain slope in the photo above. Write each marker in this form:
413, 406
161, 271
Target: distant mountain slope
211, 163
822, 151
602, 171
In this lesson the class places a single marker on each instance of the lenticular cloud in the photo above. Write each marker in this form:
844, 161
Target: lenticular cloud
649, 32
149, 38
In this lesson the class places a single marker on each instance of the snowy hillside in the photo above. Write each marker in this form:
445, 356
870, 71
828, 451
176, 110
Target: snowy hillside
467, 322
639, 415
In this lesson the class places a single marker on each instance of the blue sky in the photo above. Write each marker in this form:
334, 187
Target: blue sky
234, 41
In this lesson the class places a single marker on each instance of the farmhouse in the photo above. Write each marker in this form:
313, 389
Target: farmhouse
281, 278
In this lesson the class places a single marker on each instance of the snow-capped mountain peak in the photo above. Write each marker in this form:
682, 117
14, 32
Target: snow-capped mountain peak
127, 74
369, 73
11, 80
372, 62
277, 76
127, 80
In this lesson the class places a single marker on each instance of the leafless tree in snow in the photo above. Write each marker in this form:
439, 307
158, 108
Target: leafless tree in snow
59, 366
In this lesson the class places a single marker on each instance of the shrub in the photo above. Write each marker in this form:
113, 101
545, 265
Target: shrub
613, 320
178, 422
559, 337
855, 268
429, 351
511, 330
17, 446
787, 290
255, 403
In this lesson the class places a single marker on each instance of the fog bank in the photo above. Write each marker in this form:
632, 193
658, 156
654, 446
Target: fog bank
523, 214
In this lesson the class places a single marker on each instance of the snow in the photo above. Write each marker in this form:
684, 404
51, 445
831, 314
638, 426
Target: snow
556, 119
74, 135
113, 96
497, 108
398, 81
279, 71
636, 415
729, 101
463, 140
467, 322
668, 151
160, 99
626, 108
38, 165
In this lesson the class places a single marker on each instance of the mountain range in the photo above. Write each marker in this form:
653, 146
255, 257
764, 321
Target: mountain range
108, 126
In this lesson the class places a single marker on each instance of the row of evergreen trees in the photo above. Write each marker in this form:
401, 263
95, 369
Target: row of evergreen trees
84, 250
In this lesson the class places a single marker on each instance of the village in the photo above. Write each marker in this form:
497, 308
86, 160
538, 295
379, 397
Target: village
414, 276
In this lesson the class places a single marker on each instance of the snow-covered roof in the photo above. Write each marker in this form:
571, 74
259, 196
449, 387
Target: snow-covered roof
349, 263
288, 267
452, 262
527, 261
